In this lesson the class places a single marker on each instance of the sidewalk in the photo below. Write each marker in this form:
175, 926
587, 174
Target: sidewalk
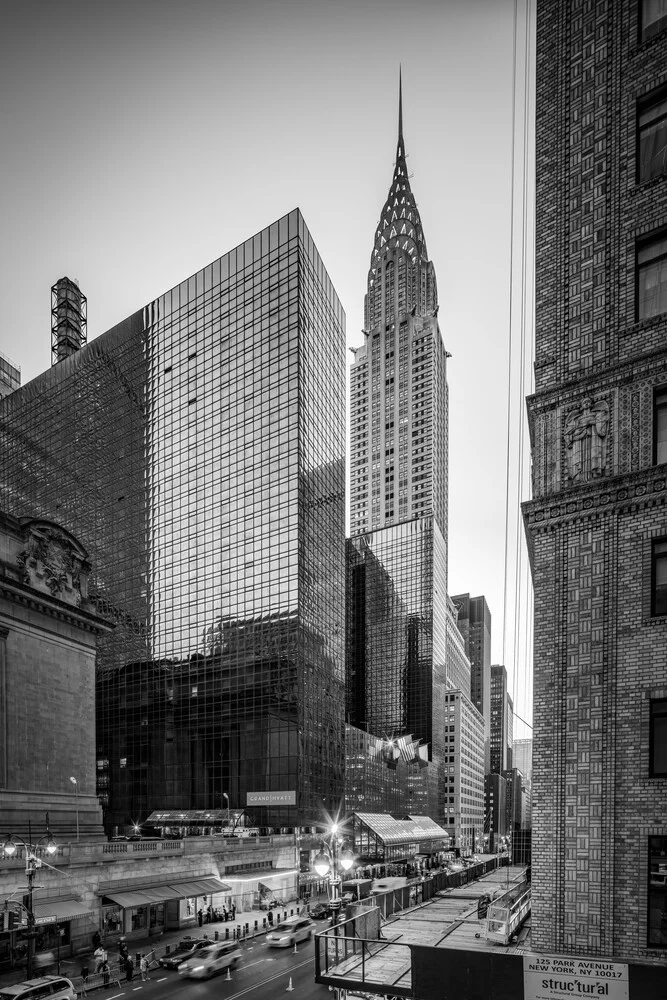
71, 966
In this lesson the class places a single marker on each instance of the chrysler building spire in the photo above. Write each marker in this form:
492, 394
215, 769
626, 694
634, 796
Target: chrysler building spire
399, 252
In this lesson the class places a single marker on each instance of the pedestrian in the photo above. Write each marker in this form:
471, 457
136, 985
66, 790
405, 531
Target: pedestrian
269, 917
100, 957
105, 973
122, 950
233, 911
200, 916
129, 969
97, 940
224, 913
143, 965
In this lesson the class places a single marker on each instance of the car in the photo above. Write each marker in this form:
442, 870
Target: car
207, 961
51, 987
288, 933
320, 911
185, 949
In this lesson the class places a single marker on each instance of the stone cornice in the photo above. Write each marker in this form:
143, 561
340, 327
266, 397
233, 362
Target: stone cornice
620, 494
637, 368
35, 601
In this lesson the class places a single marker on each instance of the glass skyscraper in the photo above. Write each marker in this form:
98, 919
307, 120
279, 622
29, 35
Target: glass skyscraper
197, 450
400, 659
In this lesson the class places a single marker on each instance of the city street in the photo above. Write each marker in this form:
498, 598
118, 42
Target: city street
262, 974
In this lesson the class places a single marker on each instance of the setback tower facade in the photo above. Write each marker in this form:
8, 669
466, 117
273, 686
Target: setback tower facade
597, 524
197, 450
398, 611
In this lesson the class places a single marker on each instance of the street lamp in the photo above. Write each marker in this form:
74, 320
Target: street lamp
76, 796
327, 861
32, 864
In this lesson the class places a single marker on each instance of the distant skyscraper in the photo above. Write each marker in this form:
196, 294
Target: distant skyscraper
197, 450
597, 523
474, 621
523, 757
499, 716
10, 376
402, 654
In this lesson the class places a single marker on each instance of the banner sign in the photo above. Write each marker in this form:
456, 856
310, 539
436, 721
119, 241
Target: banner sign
550, 977
271, 798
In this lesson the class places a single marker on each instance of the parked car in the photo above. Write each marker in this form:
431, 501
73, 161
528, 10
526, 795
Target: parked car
320, 911
185, 949
291, 931
207, 961
51, 987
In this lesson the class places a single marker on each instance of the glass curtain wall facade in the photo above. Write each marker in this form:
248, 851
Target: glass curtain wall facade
197, 449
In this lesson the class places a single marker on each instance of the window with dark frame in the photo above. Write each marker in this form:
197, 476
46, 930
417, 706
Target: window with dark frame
659, 578
658, 738
653, 18
660, 425
652, 277
657, 893
652, 137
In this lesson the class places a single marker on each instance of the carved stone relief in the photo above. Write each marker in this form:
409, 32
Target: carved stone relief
50, 564
585, 434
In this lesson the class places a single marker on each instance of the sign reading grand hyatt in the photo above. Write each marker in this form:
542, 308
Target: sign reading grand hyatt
271, 799
555, 977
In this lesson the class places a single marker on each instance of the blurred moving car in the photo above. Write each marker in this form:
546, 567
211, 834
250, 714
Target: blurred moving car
291, 931
320, 911
207, 961
185, 949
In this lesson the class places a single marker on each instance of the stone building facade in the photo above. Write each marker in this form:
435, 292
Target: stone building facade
597, 523
48, 635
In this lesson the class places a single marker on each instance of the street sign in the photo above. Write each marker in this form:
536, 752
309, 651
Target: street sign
46, 920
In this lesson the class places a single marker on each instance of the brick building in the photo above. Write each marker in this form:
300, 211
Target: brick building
597, 523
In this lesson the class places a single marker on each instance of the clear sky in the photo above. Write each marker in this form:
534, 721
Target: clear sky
141, 139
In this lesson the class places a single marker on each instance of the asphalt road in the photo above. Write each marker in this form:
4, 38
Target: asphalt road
263, 974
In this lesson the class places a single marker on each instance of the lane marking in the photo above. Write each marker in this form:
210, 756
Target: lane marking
271, 979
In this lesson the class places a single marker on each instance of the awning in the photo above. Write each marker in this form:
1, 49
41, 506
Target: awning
136, 898
199, 887
61, 909
159, 893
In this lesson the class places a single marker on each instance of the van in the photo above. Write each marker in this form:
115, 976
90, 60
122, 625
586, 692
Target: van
51, 987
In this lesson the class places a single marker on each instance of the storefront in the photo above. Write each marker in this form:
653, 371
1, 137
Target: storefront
152, 909
62, 926
260, 889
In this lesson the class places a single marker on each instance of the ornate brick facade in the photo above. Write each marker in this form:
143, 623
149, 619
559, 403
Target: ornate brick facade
598, 494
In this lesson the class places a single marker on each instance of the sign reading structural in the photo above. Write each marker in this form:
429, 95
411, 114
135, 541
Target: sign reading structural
271, 799
557, 977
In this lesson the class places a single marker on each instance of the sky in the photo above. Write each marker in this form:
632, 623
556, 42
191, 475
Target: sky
143, 139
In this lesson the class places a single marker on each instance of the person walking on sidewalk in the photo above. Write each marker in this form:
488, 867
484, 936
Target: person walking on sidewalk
129, 969
143, 966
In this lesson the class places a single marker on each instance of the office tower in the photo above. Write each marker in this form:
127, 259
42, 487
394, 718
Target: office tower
10, 376
474, 622
510, 732
499, 718
197, 449
523, 757
597, 524
402, 654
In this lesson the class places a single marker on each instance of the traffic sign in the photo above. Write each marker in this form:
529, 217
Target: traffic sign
46, 920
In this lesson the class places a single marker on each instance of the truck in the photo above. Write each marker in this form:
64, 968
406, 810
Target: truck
356, 888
